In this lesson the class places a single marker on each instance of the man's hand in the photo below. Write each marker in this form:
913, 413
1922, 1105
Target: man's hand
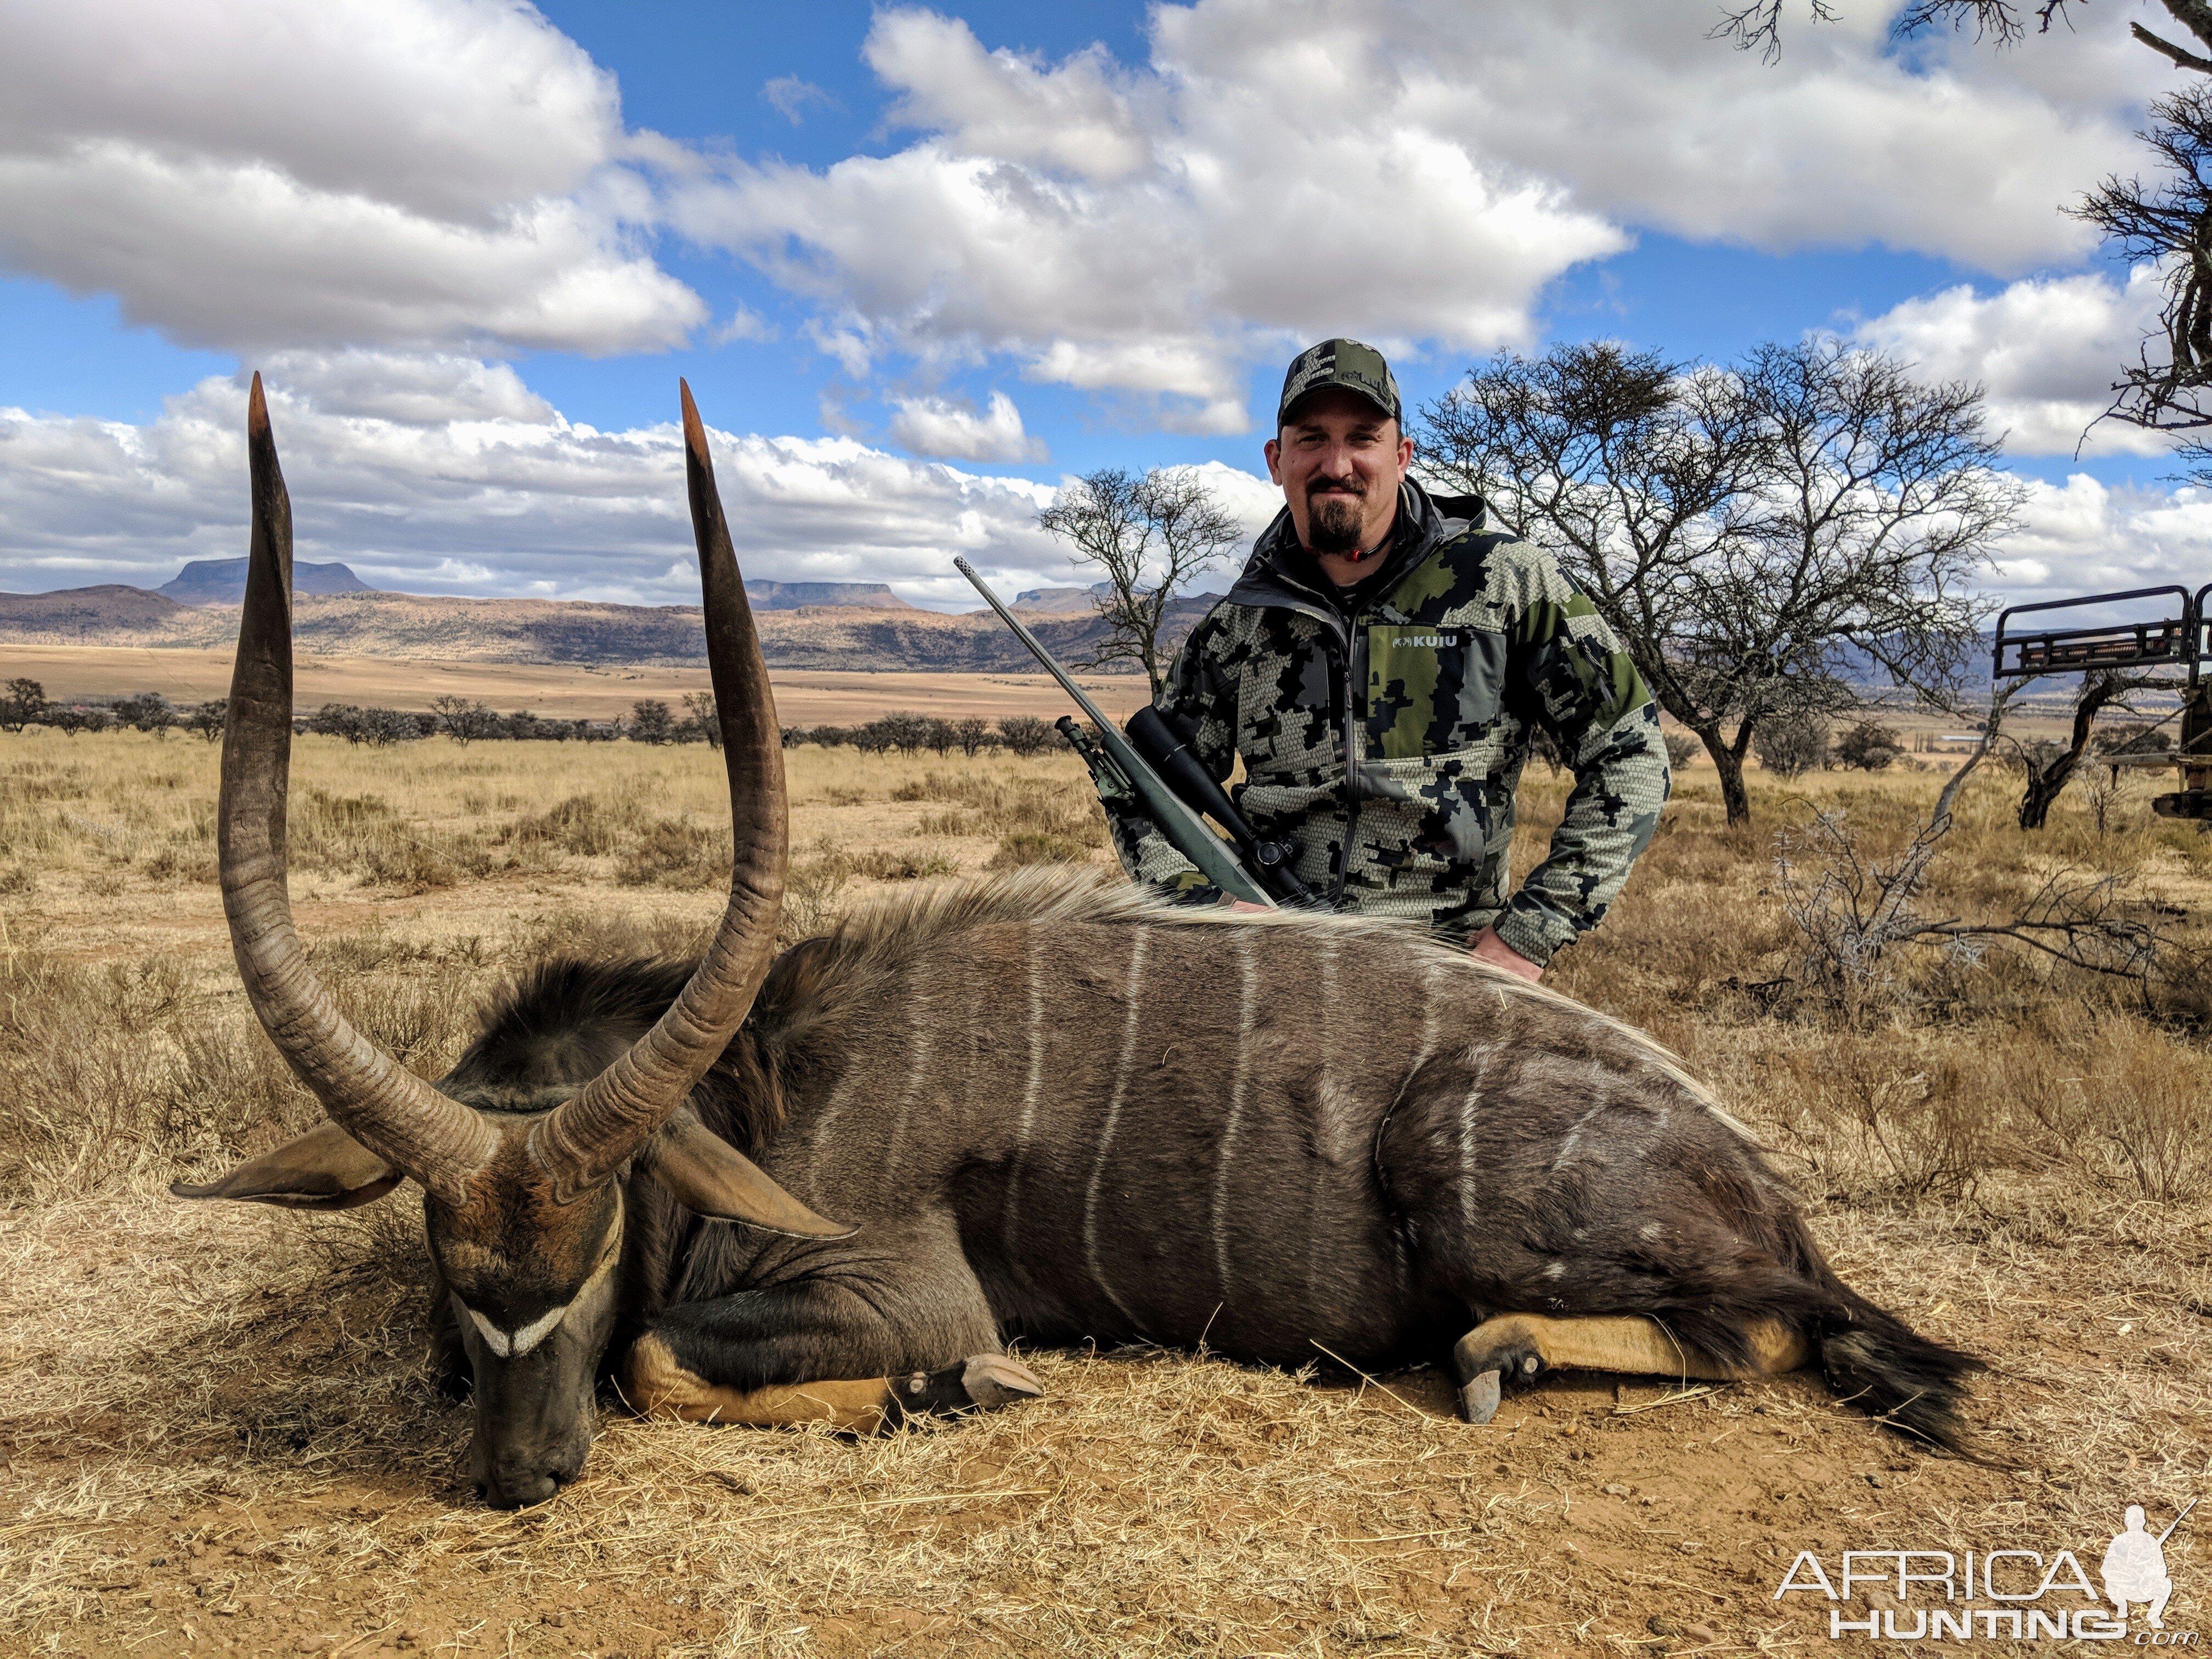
1489, 948
1239, 904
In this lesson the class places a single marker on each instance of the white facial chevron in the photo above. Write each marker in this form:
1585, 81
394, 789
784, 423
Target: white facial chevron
513, 1344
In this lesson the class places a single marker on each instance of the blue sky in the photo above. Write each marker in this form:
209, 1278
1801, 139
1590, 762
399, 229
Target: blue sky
920, 265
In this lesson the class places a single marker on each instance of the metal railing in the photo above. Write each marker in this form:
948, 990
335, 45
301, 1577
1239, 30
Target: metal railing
2172, 641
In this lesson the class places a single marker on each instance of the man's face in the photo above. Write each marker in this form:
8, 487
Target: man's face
1339, 460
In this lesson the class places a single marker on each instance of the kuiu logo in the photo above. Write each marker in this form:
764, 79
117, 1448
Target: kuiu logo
2029, 1597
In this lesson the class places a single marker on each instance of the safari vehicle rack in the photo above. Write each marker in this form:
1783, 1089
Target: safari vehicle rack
2173, 639
2180, 637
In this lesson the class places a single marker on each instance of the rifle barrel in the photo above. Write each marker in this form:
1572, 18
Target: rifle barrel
2177, 1520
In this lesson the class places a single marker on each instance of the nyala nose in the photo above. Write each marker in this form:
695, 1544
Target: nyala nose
512, 1490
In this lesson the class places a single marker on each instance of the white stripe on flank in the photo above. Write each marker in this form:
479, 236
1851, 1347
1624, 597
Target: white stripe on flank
1246, 999
1467, 1140
1130, 1025
1567, 1147
1429, 1016
1324, 1149
1030, 1090
919, 1026
832, 1110
1325, 962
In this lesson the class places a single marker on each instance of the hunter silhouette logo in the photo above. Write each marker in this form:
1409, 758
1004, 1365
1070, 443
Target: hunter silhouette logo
2014, 1595
2134, 1567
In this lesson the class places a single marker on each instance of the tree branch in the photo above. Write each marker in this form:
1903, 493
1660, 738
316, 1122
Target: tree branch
2188, 60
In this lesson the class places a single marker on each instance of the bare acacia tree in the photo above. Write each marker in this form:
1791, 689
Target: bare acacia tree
2052, 769
1150, 536
1755, 535
2167, 222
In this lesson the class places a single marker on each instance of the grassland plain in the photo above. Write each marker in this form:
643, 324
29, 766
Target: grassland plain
218, 1434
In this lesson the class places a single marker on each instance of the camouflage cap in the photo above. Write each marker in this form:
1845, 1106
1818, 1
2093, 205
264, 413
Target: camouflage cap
1345, 363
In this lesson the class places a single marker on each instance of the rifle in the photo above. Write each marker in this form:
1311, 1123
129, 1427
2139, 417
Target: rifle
2176, 1522
1253, 870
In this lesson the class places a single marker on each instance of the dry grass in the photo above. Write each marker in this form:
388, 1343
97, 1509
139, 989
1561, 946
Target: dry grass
219, 1432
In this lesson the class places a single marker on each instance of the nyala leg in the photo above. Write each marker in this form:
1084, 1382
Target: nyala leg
1513, 1350
655, 1382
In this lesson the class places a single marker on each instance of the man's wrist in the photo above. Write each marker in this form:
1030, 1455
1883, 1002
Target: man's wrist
1489, 948
1531, 933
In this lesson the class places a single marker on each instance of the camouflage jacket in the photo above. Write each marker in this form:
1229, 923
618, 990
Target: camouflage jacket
1386, 747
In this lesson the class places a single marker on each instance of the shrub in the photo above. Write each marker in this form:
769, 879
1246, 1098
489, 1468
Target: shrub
676, 853
1791, 745
1869, 746
78, 718
896, 730
1025, 734
1035, 847
880, 864
650, 721
1681, 749
581, 825
374, 727
149, 711
524, 725
465, 721
22, 702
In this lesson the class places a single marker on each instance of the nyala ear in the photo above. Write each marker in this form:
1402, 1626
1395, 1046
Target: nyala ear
325, 1168
710, 1177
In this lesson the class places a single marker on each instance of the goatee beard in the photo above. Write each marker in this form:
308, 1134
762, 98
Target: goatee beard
1333, 523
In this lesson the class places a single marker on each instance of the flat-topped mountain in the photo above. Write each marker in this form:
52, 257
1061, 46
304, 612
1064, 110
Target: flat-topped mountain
222, 581
1059, 601
797, 596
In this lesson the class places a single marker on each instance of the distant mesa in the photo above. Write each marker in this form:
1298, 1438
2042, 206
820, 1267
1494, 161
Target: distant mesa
1083, 601
797, 596
222, 581
1059, 601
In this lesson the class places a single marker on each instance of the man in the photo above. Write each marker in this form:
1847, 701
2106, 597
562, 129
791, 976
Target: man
2135, 1570
1382, 667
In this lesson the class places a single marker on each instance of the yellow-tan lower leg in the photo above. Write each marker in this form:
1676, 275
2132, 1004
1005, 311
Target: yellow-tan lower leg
1633, 1344
655, 1385
1515, 1347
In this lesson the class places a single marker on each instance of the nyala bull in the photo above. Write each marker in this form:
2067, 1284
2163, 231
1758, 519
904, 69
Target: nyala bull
834, 1184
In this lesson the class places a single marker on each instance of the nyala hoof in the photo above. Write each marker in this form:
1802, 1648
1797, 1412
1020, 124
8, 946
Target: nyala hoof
984, 1382
1491, 1368
991, 1380
1478, 1400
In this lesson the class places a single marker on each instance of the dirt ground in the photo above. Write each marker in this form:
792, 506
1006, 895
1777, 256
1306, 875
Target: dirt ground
218, 1434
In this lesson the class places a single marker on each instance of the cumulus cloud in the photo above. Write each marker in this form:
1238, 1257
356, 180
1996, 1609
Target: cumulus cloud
1275, 173
1141, 232
322, 172
467, 482
951, 431
2086, 537
2045, 348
